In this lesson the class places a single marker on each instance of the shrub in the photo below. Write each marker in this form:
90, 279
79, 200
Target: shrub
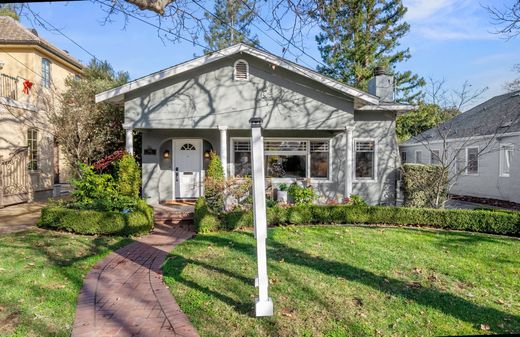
214, 184
507, 223
355, 200
205, 222
425, 185
128, 176
139, 221
301, 195
91, 186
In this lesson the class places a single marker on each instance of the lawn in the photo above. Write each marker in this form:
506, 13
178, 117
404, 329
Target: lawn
351, 281
41, 273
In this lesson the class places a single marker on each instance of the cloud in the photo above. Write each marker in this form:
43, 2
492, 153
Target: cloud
444, 20
423, 9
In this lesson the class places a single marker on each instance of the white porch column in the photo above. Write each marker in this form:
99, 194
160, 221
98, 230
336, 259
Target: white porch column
223, 149
130, 141
264, 304
349, 162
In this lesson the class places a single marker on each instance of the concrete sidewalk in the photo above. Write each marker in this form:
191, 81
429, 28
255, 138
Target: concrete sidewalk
20, 217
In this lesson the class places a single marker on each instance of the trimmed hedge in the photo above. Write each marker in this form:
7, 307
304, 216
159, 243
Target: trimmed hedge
79, 221
469, 220
205, 221
422, 184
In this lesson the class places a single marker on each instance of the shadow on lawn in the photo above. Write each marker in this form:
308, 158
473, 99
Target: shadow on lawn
42, 251
445, 302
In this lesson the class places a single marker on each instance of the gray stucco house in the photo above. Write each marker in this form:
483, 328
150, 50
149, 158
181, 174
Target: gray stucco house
340, 139
480, 146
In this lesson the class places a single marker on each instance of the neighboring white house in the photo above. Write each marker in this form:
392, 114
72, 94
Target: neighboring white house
338, 138
481, 146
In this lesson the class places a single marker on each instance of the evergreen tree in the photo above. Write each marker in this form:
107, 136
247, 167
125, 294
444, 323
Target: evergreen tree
359, 35
9, 10
230, 24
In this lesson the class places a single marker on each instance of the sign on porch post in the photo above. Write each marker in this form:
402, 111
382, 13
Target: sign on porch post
264, 304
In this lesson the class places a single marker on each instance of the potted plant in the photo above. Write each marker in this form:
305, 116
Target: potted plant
281, 193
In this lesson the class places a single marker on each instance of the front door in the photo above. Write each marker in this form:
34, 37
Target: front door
187, 164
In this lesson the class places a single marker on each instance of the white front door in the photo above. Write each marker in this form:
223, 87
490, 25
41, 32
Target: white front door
187, 165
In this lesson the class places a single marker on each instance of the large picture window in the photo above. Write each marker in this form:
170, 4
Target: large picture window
296, 159
32, 145
365, 159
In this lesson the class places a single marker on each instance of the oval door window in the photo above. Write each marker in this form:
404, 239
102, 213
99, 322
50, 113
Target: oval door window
188, 147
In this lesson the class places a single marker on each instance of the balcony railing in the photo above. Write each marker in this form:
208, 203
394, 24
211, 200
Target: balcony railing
9, 86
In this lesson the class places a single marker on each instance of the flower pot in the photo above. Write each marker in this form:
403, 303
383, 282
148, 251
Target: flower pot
281, 196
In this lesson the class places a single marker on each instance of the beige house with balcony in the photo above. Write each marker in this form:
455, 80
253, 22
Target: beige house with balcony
32, 75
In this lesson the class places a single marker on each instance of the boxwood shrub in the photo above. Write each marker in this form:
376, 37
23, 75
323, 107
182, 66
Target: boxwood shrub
81, 221
507, 223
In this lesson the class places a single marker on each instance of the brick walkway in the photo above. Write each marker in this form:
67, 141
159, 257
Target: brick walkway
124, 294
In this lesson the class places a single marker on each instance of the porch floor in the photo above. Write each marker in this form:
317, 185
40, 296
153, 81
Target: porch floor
173, 213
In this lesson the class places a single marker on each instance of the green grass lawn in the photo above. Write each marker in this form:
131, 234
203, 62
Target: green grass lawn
351, 281
41, 273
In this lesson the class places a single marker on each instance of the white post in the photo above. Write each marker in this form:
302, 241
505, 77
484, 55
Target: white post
223, 149
130, 141
349, 162
264, 304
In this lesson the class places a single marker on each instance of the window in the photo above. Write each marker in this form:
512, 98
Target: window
46, 73
506, 157
403, 157
285, 158
365, 159
418, 157
32, 145
435, 157
472, 160
319, 159
242, 150
188, 147
241, 71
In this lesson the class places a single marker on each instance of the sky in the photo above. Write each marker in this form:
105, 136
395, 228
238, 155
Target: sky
451, 40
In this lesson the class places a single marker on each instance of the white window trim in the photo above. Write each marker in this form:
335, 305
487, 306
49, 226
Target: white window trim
467, 163
364, 180
500, 157
37, 151
235, 70
438, 156
46, 84
306, 153
415, 158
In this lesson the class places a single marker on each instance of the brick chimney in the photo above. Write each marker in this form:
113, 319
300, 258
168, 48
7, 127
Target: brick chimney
382, 85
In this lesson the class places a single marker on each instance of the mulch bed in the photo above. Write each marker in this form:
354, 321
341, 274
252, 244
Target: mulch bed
488, 201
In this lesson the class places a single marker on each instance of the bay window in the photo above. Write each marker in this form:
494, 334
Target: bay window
365, 159
285, 158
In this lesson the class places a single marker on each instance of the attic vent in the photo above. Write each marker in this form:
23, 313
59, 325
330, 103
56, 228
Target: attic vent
241, 70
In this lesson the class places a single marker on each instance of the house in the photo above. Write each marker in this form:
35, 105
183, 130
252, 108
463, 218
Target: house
480, 146
32, 74
339, 139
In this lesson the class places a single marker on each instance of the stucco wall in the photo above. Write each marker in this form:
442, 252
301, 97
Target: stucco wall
487, 183
24, 62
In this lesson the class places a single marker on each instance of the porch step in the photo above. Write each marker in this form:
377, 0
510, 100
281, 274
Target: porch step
172, 215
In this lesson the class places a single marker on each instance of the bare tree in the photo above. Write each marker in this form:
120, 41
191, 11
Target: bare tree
507, 19
446, 144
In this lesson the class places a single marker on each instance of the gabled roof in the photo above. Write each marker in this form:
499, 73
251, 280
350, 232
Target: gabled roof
498, 115
12, 32
117, 94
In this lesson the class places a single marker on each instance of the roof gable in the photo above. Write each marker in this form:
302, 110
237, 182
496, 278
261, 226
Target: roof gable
117, 94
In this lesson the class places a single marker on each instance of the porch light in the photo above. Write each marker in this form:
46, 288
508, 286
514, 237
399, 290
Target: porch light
166, 154
206, 154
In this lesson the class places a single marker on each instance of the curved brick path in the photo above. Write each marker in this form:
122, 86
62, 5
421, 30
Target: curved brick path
124, 294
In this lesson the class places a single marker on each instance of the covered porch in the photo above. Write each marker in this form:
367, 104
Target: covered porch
174, 161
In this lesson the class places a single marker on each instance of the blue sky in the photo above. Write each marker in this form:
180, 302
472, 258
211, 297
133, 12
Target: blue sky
449, 39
